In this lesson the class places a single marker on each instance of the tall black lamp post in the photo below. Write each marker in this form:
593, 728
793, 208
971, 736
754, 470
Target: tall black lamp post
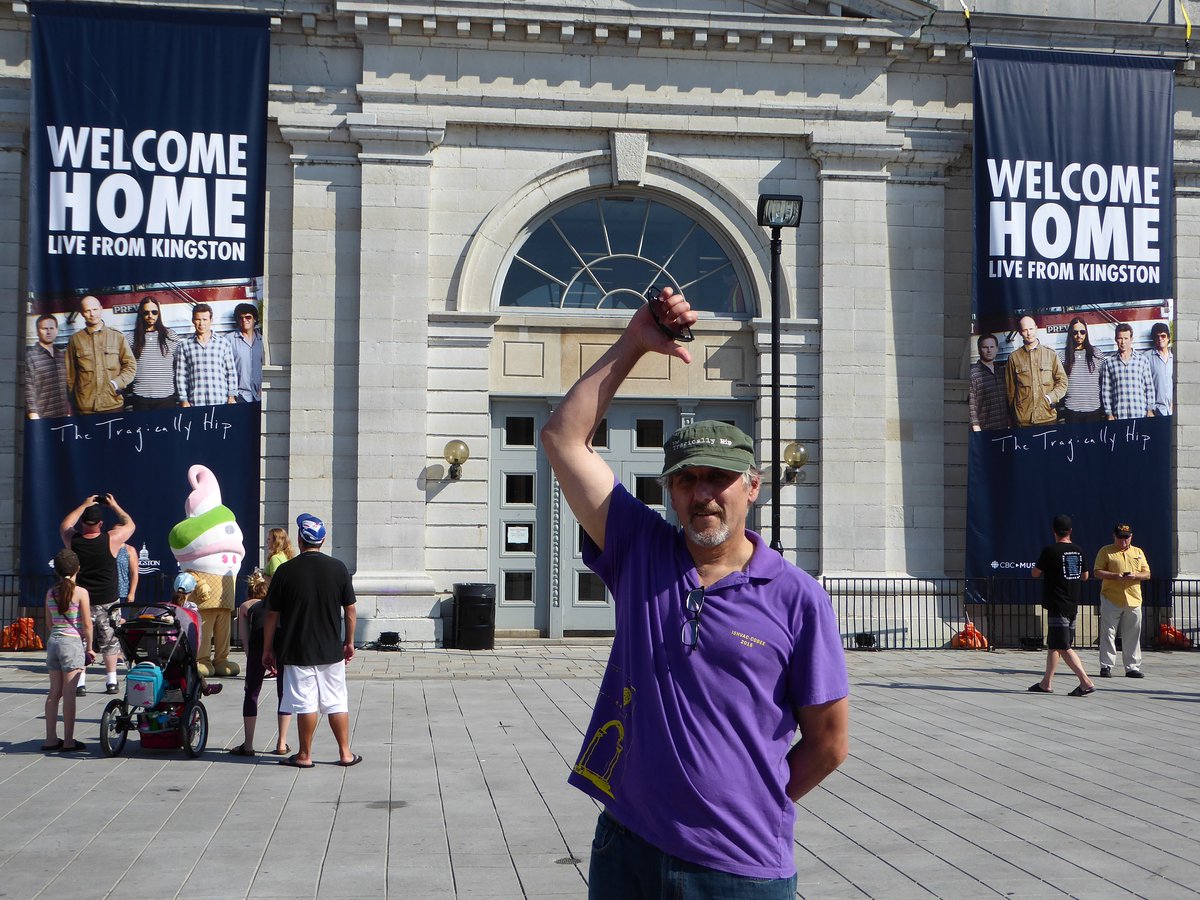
776, 211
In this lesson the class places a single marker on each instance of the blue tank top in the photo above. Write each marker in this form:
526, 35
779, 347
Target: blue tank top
122, 573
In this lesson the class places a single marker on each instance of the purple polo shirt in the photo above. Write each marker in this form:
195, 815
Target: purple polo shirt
688, 749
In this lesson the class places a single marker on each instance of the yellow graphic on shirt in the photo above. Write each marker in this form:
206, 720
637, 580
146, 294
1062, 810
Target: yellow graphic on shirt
600, 757
748, 640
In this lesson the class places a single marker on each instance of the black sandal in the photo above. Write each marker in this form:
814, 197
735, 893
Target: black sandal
240, 750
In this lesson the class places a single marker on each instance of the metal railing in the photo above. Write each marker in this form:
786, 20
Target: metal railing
925, 613
873, 613
24, 595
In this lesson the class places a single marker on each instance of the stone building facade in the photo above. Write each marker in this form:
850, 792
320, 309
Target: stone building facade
416, 151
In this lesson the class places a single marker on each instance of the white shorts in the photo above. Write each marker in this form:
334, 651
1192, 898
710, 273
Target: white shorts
310, 689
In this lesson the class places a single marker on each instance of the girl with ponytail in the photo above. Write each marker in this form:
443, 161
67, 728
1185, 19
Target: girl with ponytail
68, 650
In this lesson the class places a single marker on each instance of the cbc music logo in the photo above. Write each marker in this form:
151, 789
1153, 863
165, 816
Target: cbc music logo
1006, 564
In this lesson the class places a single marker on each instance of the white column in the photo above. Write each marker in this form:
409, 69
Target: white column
322, 337
883, 421
395, 592
1187, 371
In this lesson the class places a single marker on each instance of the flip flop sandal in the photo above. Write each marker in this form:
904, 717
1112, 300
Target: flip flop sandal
51, 748
354, 762
76, 747
291, 761
287, 748
240, 750
1038, 689
1081, 691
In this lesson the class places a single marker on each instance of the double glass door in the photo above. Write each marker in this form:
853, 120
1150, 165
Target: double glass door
536, 546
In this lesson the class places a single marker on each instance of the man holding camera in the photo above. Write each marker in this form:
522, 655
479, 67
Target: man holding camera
723, 651
82, 531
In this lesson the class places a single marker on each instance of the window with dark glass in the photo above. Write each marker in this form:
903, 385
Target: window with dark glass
589, 588
518, 488
650, 433
602, 253
518, 431
647, 489
518, 587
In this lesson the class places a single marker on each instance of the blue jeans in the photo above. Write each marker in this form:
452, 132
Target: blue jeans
625, 867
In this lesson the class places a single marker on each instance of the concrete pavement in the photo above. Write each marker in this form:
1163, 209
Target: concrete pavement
960, 783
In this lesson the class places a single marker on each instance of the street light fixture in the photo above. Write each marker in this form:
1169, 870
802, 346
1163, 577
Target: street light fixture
776, 211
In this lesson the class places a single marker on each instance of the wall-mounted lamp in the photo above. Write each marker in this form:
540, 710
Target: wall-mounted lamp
456, 453
795, 455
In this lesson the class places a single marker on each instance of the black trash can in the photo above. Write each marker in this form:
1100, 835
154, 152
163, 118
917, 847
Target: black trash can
475, 616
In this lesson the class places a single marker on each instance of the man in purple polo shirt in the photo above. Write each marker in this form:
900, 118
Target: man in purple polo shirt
722, 650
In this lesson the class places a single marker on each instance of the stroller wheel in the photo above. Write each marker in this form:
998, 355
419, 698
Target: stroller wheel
193, 728
114, 728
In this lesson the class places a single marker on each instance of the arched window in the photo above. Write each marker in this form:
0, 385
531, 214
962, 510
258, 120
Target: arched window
602, 253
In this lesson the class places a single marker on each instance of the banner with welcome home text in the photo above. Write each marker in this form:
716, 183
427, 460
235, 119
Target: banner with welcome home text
143, 353
1071, 382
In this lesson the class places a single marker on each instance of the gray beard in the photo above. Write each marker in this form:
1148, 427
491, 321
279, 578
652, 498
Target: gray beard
713, 537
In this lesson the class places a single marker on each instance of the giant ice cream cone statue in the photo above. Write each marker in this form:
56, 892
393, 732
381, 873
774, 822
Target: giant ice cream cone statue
208, 543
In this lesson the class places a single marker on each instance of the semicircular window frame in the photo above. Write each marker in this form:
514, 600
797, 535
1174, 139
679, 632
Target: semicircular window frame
598, 253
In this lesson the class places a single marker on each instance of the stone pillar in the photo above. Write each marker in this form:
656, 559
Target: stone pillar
395, 592
13, 180
322, 417
1186, 348
855, 350
883, 354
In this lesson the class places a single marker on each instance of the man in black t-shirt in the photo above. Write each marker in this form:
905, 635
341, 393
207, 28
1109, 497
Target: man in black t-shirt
314, 596
1062, 566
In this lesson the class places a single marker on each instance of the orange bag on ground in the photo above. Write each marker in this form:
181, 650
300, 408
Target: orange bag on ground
969, 638
1170, 636
21, 635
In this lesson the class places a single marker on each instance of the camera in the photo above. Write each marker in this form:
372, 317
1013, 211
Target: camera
654, 300
102, 499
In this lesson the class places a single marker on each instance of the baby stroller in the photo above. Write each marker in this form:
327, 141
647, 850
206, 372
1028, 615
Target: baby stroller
162, 688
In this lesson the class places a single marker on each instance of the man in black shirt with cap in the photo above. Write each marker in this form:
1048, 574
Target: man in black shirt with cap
1063, 567
313, 595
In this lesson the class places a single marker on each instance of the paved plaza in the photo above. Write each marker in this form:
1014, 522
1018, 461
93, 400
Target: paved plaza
959, 784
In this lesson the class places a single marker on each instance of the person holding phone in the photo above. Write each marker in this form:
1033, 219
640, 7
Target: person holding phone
1122, 568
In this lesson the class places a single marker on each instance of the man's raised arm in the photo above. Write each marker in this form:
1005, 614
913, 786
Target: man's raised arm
125, 527
586, 479
67, 529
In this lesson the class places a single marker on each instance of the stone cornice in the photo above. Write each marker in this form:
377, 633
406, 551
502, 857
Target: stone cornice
320, 144
900, 29
388, 143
